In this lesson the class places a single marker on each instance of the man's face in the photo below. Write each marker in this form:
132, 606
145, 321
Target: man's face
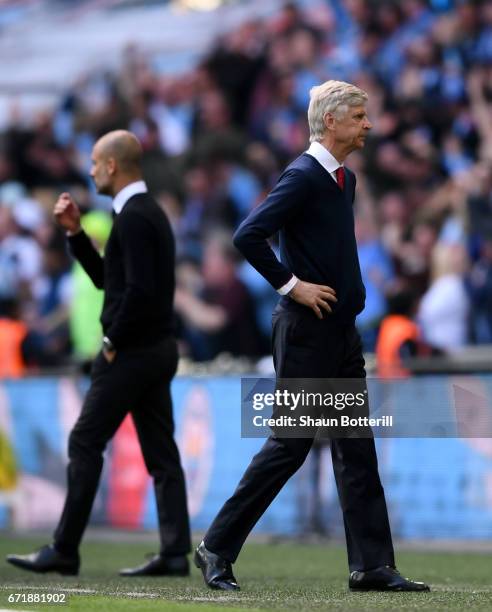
100, 171
352, 128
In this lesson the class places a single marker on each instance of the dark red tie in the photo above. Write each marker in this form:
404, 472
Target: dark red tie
340, 174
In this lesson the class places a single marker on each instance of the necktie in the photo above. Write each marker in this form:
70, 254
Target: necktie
340, 174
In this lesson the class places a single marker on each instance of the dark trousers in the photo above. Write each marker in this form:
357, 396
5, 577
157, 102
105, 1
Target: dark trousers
304, 347
137, 381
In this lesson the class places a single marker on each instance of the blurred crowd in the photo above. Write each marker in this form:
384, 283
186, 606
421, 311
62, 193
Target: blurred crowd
215, 140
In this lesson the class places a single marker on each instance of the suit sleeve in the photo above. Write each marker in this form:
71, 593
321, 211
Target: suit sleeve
84, 251
137, 239
251, 237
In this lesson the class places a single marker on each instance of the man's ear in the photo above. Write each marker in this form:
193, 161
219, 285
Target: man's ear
329, 121
111, 165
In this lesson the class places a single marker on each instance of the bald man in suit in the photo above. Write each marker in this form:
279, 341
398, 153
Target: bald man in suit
133, 371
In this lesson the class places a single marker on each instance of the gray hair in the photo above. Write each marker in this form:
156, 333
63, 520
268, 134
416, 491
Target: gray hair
331, 97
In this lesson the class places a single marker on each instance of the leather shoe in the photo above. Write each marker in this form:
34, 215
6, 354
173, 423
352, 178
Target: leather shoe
47, 559
217, 572
159, 565
385, 578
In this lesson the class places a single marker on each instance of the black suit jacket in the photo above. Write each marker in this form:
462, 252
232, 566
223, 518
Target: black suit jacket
317, 239
136, 273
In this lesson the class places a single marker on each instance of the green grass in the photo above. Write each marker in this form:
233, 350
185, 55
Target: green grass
285, 576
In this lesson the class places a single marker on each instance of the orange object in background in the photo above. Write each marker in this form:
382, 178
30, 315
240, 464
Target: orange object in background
394, 332
12, 333
128, 479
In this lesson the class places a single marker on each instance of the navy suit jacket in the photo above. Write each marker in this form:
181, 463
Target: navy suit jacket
315, 221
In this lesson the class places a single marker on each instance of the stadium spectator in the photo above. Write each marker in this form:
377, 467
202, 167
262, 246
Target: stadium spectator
220, 316
444, 309
12, 335
399, 336
48, 341
377, 274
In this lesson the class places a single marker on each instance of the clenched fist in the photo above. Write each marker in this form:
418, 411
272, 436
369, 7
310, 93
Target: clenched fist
67, 214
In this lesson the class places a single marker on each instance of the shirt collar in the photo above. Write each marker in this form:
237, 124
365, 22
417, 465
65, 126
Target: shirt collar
324, 157
122, 197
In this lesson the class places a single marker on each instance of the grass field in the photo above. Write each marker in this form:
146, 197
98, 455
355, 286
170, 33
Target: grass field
284, 576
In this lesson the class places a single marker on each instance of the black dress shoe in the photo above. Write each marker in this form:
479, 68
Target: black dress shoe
383, 578
217, 572
160, 566
47, 559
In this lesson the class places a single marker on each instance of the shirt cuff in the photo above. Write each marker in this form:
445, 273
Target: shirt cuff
288, 286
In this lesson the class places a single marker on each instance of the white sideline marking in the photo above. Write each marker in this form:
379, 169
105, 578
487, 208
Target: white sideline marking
460, 589
219, 598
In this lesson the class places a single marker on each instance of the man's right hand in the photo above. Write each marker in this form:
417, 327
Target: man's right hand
313, 296
67, 214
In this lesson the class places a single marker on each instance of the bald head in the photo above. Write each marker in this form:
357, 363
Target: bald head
123, 147
116, 161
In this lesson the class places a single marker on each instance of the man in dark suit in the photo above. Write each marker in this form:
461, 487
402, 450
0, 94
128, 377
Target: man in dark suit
134, 369
314, 336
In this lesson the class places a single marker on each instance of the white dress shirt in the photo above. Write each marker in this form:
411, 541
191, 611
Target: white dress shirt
330, 164
122, 197
325, 158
